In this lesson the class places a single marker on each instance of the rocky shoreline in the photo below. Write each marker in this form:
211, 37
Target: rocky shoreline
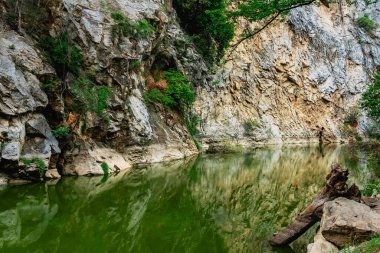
347, 225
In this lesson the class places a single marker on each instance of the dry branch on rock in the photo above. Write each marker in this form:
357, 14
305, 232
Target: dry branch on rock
335, 186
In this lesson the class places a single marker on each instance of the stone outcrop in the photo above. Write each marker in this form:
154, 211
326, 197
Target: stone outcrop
345, 221
320, 245
24, 132
293, 78
135, 132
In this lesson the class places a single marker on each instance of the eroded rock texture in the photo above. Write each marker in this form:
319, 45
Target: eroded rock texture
294, 78
345, 221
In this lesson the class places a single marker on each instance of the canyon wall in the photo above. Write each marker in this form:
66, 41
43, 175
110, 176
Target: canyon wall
300, 74
297, 76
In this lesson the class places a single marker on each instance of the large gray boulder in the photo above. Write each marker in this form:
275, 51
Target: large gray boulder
345, 221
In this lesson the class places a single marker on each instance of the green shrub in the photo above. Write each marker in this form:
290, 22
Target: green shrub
36, 161
62, 54
371, 99
352, 116
61, 132
192, 123
89, 97
372, 246
143, 29
369, 188
123, 26
134, 64
105, 168
208, 25
49, 85
250, 126
177, 95
103, 94
366, 23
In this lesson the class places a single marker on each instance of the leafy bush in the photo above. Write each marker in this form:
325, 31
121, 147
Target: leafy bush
122, 26
143, 29
125, 27
192, 123
250, 126
134, 64
366, 23
369, 188
105, 168
208, 24
352, 116
61, 132
371, 99
88, 96
62, 54
49, 85
177, 95
36, 161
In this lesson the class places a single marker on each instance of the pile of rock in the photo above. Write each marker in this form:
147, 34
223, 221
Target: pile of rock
346, 222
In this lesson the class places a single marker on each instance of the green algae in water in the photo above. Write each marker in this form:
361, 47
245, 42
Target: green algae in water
215, 203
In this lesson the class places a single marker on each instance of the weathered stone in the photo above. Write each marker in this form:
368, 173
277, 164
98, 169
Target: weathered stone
52, 174
345, 221
321, 245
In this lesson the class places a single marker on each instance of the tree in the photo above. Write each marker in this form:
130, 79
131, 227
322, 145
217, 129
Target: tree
371, 99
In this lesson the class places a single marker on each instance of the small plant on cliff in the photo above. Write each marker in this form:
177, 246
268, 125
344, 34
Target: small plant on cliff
352, 116
123, 26
62, 54
40, 164
370, 188
366, 23
105, 168
143, 29
177, 94
371, 99
61, 132
89, 97
250, 126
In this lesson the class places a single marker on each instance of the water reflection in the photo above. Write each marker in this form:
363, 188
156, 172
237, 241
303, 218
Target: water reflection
215, 203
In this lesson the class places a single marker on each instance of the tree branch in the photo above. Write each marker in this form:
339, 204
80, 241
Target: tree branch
270, 21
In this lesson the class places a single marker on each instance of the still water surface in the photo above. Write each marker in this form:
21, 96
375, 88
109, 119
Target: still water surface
213, 203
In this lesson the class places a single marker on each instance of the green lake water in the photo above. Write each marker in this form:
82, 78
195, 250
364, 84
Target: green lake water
213, 203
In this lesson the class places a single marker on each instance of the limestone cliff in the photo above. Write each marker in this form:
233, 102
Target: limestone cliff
282, 86
292, 79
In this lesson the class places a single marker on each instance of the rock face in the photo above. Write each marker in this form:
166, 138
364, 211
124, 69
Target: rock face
24, 132
283, 86
345, 221
293, 78
134, 132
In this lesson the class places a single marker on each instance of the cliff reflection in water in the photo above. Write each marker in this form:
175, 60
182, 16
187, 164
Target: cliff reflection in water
215, 203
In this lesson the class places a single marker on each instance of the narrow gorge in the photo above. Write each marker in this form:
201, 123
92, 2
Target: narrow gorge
115, 88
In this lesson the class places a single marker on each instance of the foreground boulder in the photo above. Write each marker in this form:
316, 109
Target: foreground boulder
321, 245
345, 221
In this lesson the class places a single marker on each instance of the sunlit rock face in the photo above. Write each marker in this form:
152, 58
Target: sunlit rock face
293, 78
